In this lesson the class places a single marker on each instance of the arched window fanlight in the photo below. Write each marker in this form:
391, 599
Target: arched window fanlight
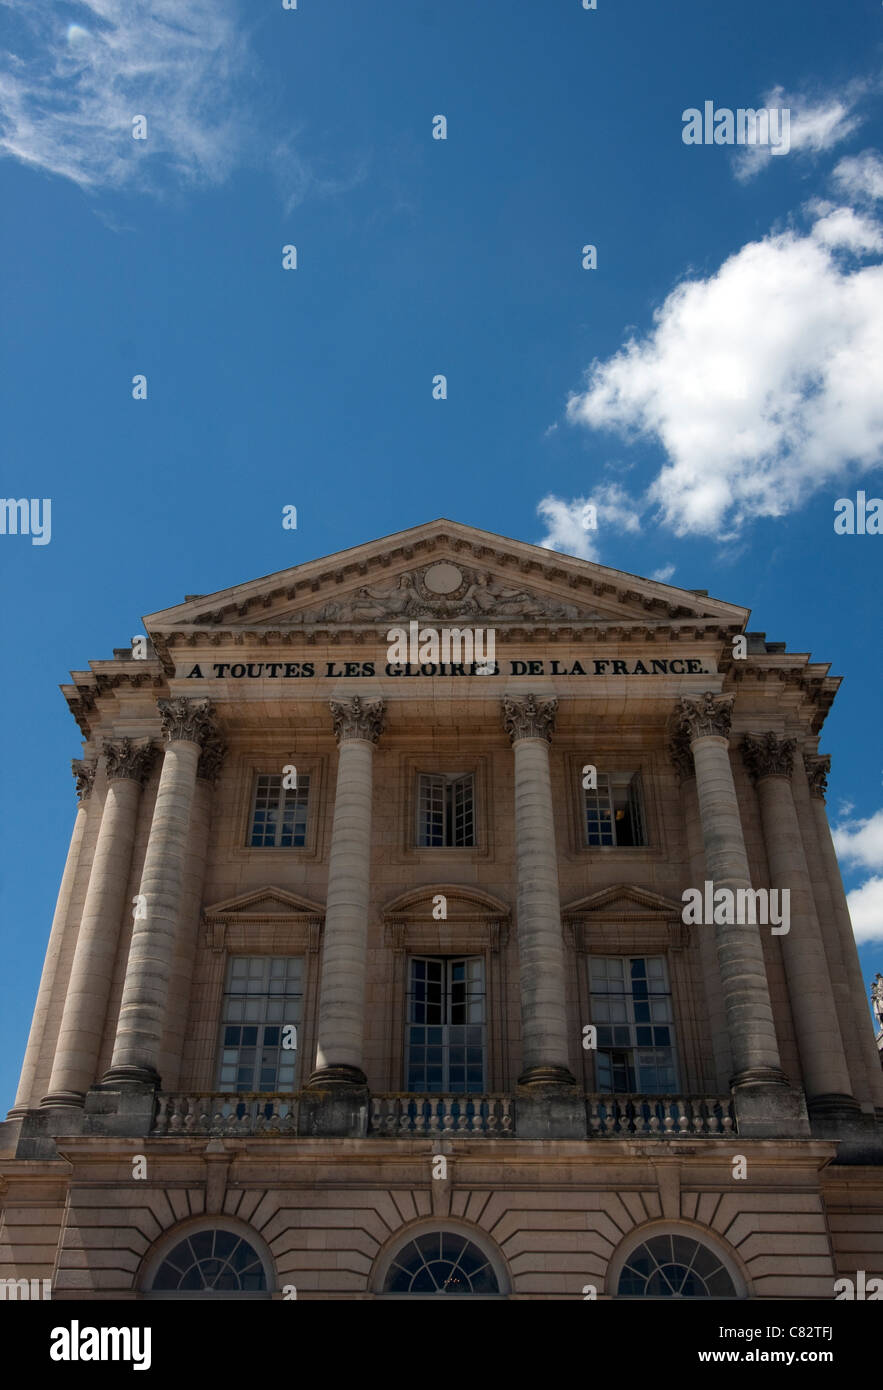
441, 1262
211, 1262
674, 1266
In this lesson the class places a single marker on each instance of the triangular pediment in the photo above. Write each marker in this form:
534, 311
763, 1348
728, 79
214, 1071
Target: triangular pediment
441, 571
264, 904
622, 901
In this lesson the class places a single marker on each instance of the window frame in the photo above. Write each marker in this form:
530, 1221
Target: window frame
634, 1047
447, 962
451, 780
221, 1046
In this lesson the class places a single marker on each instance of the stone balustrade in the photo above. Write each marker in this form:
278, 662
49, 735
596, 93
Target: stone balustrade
414, 1116
226, 1114
616, 1117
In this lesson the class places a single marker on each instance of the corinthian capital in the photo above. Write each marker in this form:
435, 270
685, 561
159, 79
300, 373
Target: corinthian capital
357, 718
680, 754
709, 714
765, 755
85, 774
213, 752
127, 760
817, 769
529, 717
187, 720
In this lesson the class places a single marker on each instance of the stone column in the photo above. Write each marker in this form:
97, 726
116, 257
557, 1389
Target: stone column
358, 725
187, 724
529, 723
85, 775
88, 992
704, 723
770, 761
181, 981
817, 769
720, 1064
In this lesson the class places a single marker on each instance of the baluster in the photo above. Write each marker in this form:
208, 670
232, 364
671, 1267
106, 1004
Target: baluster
404, 1118
653, 1107
594, 1116
374, 1115
489, 1124
448, 1115
726, 1117
203, 1118
507, 1121
161, 1121
683, 1116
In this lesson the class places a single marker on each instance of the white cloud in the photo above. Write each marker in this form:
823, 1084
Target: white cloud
761, 382
664, 574
860, 842
816, 125
68, 92
565, 528
866, 911
860, 176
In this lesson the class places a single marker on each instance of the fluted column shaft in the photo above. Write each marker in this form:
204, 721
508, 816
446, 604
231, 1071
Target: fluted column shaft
822, 1059
540, 944
24, 1098
187, 725
85, 1008
341, 1026
704, 724
817, 769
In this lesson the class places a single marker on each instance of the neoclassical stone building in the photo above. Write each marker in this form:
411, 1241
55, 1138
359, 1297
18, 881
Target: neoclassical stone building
371, 976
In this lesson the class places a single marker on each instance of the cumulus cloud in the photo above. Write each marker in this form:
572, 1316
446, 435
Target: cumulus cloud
860, 177
761, 382
866, 911
664, 574
816, 124
568, 524
69, 91
860, 842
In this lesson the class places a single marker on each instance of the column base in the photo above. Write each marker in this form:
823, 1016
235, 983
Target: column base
72, 1100
546, 1076
115, 1077
334, 1077
770, 1111
759, 1076
17, 1112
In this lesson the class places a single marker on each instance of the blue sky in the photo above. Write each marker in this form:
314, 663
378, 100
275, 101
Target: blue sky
713, 386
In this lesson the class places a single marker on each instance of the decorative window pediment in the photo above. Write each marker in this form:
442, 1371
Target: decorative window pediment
445, 918
624, 918
266, 919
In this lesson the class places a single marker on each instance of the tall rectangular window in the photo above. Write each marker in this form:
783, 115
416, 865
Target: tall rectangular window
279, 813
614, 811
631, 1008
445, 811
445, 1049
263, 1006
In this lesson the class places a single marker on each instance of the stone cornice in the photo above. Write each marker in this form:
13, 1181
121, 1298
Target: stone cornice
767, 755
357, 719
527, 717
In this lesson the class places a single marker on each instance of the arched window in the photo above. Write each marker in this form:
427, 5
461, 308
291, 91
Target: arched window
674, 1265
440, 1262
211, 1261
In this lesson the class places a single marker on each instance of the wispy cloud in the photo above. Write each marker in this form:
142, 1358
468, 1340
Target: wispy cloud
818, 122
859, 843
566, 522
69, 91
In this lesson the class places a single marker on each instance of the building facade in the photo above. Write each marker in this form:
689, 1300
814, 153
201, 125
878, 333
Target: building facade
448, 916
